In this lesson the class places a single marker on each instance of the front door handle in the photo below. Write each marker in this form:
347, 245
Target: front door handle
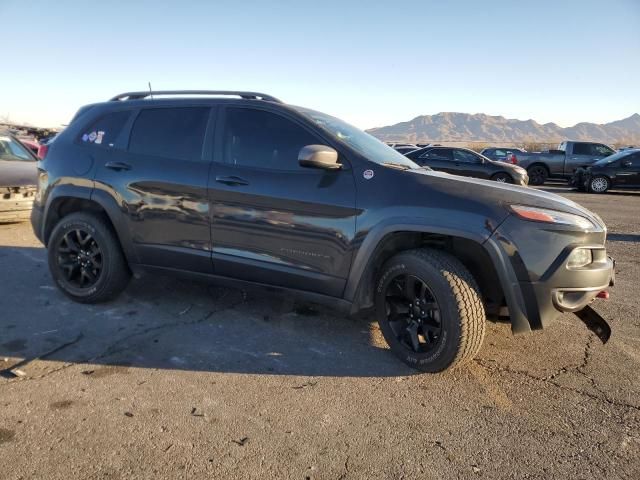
232, 180
117, 166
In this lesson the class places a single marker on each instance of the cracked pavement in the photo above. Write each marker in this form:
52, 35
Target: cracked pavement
179, 379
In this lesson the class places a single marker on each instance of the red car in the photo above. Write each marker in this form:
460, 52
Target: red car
31, 144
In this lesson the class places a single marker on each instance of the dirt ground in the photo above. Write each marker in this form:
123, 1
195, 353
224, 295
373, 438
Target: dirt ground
184, 380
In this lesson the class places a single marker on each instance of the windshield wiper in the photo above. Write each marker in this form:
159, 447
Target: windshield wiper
399, 166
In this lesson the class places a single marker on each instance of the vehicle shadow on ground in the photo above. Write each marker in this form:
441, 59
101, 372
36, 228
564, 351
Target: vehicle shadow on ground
165, 323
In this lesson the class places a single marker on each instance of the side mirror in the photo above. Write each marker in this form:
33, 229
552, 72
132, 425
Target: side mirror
319, 156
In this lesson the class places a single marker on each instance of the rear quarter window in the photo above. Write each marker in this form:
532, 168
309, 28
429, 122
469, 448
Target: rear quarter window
170, 132
104, 131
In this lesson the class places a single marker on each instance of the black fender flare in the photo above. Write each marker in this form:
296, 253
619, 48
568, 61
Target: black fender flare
501, 262
511, 286
105, 201
374, 237
58, 192
117, 216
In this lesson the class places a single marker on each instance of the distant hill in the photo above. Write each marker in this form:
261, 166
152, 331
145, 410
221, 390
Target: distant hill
461, 127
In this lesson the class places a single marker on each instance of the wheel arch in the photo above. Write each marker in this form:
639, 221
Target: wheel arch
69, 199
464, 245
540, 164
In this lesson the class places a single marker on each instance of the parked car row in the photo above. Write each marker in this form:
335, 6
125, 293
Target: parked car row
462, 161
561, 163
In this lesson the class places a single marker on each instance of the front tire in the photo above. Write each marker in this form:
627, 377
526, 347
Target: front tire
86, 260
502, 177
538, 174
599, 184
429, 310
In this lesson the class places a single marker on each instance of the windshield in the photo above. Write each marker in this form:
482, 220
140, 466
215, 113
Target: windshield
12, 150
367, 145
613, 158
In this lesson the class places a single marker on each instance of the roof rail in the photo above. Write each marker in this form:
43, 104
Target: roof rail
244, 95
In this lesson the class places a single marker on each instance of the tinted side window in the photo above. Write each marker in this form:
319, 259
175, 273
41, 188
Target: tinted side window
170, 132
465, 157
442, 154
581, 149
106, 129
263, 139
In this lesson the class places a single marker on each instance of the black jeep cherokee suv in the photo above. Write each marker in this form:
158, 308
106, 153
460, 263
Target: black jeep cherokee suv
243, 189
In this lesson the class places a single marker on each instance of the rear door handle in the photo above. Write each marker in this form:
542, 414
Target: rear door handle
232, 180
117, 166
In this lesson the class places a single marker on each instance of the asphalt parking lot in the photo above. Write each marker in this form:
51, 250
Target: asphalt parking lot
184, 380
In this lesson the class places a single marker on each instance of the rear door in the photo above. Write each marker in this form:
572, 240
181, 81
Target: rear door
274, 221
470, 164
440, 159
159, 178
629, 171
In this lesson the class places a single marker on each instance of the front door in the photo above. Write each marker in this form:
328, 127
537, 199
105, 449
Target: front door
274, 221
469, 164
159, 178
629, 172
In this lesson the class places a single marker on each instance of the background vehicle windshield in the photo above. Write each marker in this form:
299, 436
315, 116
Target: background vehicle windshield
13, 150
612, 158
365, 144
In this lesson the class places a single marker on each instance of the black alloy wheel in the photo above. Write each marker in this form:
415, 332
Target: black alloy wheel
413, 313
86, 259
537, 175
79, 258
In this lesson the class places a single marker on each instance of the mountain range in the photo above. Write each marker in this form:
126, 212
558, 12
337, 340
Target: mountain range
466, 127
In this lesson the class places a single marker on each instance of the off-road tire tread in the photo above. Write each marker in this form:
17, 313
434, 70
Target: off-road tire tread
468, 299
118, 270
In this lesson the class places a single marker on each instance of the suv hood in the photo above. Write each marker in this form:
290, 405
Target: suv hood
505, 194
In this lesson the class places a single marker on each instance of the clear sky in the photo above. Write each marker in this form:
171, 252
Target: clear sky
372, 63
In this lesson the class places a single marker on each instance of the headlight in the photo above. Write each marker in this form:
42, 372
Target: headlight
553, 216
580, 257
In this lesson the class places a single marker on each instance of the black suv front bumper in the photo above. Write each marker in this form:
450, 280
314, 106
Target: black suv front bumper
532, 263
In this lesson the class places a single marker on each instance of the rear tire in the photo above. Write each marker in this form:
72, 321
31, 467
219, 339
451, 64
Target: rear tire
538, 174
599, 184
429, 310
502, 177
86, 260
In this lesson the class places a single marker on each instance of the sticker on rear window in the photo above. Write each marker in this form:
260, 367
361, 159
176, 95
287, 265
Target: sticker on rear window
99, 138
368, 174
92, 136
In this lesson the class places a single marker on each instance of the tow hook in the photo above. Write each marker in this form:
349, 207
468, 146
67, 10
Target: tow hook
595, 323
